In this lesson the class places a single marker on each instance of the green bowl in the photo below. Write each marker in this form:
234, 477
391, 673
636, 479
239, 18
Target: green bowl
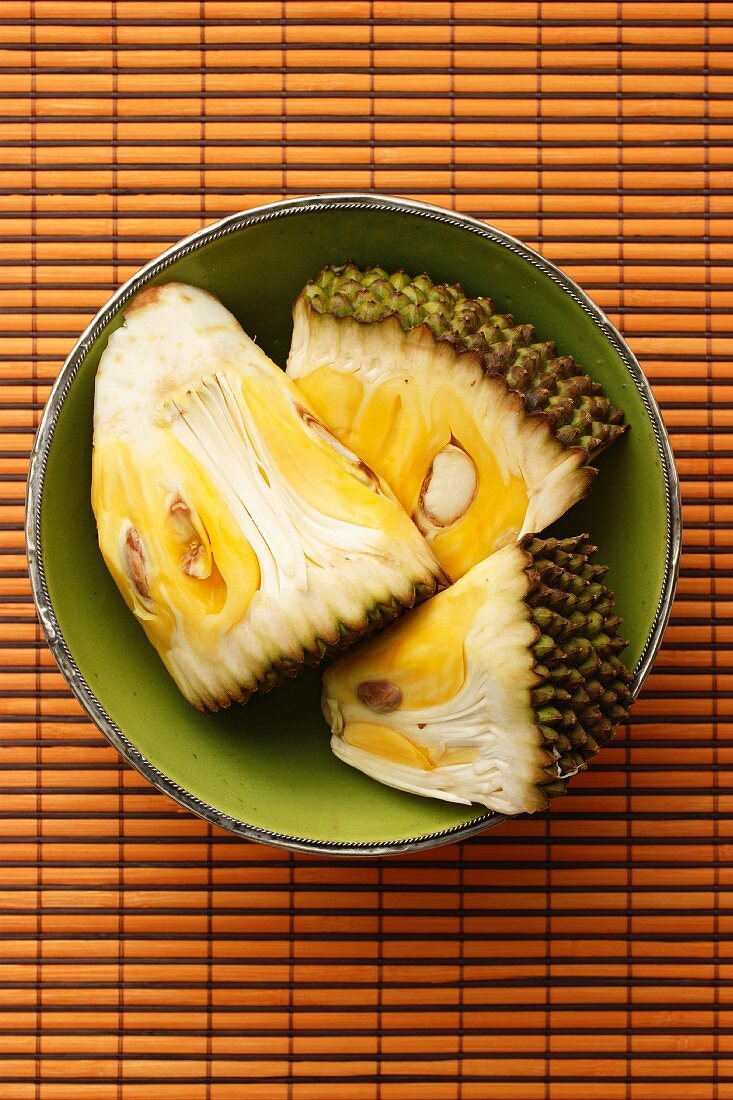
265, 771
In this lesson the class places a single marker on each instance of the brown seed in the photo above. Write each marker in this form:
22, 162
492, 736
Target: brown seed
180, 516
136, 562
369, 477
363, 471
195, 562
321, 430
448, 490
380, 695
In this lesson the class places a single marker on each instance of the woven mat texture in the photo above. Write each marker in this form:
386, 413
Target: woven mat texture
586, 953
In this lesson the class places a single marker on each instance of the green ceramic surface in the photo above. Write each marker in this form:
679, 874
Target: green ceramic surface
269, 763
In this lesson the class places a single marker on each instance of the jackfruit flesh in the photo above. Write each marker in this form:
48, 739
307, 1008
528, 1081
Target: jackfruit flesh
245, 538
494, 692
482, 433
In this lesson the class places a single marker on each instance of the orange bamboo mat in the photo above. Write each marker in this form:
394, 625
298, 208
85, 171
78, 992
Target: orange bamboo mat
583, 954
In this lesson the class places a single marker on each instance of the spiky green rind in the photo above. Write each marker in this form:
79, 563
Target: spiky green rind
583, 689
553, 386
377, 617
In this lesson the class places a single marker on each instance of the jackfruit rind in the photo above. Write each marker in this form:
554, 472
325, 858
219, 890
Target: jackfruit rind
405, 372
495, 692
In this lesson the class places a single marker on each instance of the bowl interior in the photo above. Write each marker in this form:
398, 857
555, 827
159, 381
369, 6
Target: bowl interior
269, 763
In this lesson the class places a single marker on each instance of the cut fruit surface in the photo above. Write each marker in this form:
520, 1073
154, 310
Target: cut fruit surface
496, 691
246, 539
482, 433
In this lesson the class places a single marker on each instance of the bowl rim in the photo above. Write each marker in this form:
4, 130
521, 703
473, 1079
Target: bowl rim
44, 437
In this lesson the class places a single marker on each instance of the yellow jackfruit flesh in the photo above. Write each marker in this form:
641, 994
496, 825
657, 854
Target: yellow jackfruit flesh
245, 538
483, 434
496, 691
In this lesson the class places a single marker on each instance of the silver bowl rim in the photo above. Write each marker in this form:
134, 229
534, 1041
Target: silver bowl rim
44, 437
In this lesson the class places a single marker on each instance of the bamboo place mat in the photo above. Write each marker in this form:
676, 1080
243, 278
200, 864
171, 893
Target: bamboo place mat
579, 954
